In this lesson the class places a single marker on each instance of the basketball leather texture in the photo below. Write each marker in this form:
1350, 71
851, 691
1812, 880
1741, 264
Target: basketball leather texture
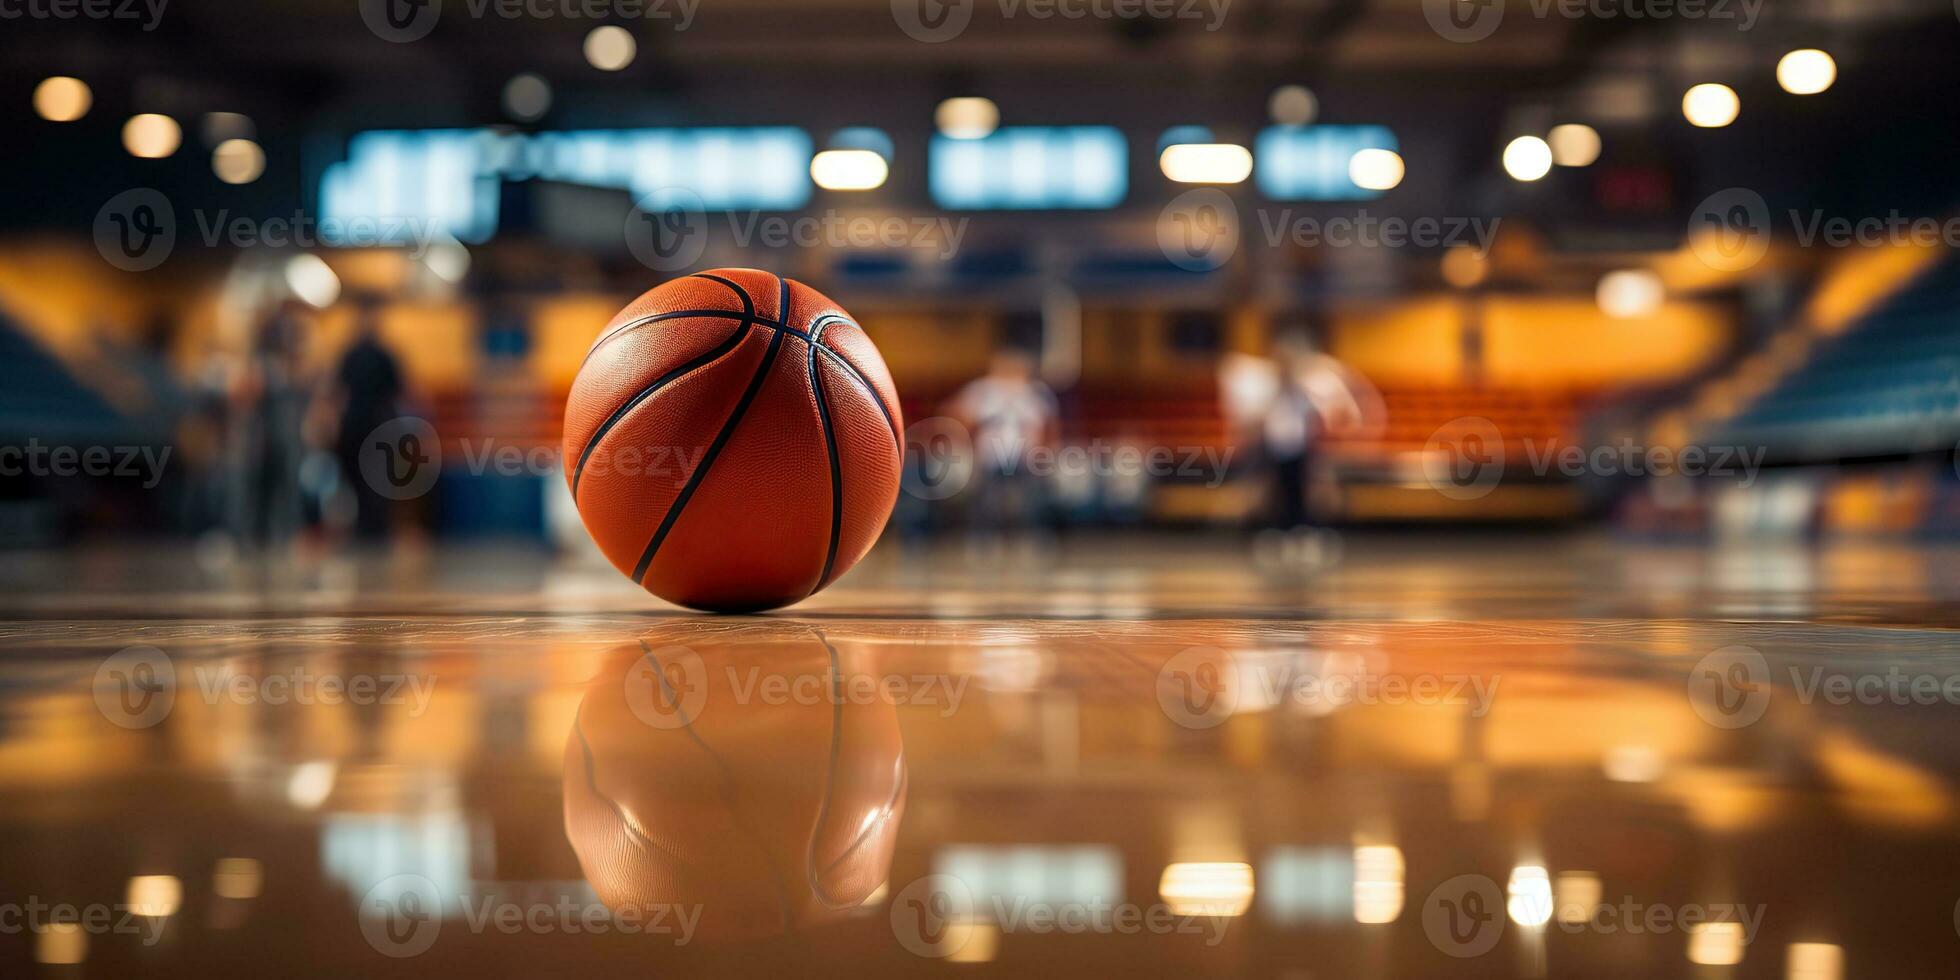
732, 441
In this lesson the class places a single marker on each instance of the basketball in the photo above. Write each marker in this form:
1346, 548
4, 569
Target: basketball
733, 441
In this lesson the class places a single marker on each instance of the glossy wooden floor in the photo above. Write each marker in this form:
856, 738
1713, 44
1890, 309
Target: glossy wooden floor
1393, 756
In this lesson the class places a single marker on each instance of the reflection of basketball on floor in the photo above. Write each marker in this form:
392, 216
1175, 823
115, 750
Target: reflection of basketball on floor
770, 806
732, 441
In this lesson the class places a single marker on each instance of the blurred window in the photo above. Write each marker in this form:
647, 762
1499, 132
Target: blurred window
448, 180
1031, 167
1310, 163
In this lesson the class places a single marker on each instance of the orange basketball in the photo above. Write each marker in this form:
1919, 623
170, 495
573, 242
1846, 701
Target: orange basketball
732, 441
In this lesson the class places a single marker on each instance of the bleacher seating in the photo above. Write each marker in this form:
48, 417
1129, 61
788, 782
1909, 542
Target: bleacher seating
40, 399
1889, 384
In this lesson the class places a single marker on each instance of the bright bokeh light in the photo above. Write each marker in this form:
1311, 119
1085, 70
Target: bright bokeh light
156, 896
60, 944
1711, 105
1464, 266
1576, 896
1715, 943
151, 136
1806, 71
527, 97
238, 161
449, 260
967, 118
1293, 105
1814, 961
1376, 169
62, 99
1530, 896
1630, 294
1378, 888
314, 282
1528, 158
610, 48
848, 170
1574, 145
1221, 888
1206, 163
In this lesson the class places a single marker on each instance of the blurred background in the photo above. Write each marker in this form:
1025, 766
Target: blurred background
1294, 265
1573, 340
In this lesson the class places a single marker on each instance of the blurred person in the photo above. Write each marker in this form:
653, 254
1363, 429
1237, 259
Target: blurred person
365, 392
1289, 404
1010, 413
267, 407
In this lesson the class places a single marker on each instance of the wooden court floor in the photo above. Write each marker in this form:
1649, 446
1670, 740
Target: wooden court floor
1383, 755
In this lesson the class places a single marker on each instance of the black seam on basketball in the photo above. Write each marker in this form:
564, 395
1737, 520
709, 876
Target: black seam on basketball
760, 321
830, 444
748, 302
865, 383
726, 347
708, 458
782, 299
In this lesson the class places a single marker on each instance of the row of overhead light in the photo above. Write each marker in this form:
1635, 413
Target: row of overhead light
235, 157
1709, 105
975, 117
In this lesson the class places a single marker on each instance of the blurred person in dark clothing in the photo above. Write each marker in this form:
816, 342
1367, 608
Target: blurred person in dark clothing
268, 406
367, 392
